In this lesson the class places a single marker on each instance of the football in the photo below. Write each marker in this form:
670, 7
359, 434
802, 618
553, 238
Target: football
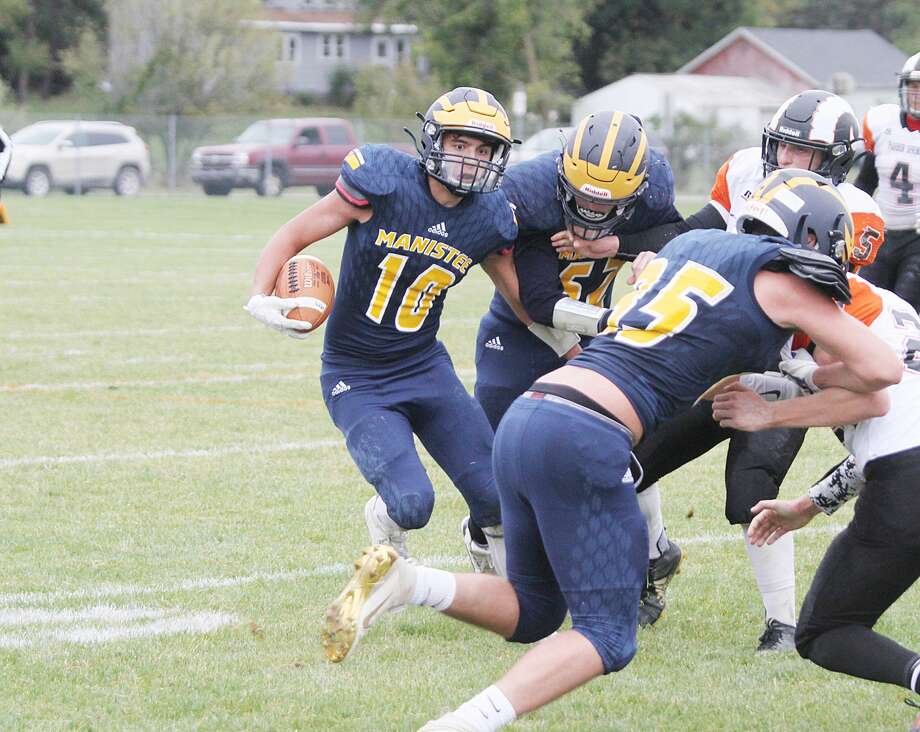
306, 276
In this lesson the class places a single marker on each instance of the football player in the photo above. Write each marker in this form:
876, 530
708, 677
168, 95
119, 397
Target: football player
415, 228
876, 558
816, 130
605, 185
892, 164
575, 536
6, 154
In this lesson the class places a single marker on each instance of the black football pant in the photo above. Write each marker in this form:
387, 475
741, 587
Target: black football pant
756, 465
867, 567
897, 265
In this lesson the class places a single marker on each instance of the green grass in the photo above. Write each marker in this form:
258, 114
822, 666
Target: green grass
122, 334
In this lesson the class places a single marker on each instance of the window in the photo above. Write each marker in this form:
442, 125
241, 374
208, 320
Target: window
333, 45
401, 50
308, 136
106, 138
78, 139
382, 48
290, 47
337, 136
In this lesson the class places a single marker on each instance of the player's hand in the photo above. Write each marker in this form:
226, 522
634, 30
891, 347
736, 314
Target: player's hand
801, 370
606, 246
638, 264
739, 408
271, 311
772, 386
774, 519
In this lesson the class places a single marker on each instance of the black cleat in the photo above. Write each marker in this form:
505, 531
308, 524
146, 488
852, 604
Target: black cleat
777, 636
660, 573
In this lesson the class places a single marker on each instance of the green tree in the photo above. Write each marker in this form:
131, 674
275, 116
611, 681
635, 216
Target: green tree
189, 57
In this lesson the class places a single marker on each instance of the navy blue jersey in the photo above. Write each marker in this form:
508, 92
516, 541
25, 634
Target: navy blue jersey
531, 187
397, 266
691, 321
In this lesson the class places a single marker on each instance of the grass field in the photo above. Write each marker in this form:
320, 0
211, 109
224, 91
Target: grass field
176, 509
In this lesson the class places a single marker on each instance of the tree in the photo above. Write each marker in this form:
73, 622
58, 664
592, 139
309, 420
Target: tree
650, 36
182, 57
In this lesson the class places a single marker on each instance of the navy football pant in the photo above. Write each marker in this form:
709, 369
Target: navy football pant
509, 358
867, 567
379, 408
575, 537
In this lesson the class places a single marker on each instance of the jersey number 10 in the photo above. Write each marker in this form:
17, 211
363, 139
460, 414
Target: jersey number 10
419, 297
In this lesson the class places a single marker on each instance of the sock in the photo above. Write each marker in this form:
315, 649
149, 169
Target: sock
774, 571
434, 588
476, 532
488, 711
650, 504
915, 677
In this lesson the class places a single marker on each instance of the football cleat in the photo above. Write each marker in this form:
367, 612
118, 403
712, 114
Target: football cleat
776, 636
382, 583
660, 573
382, 529
480, 556
450, 722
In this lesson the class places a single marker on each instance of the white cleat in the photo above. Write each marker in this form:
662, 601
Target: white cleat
383, 529
382, 583
448, 723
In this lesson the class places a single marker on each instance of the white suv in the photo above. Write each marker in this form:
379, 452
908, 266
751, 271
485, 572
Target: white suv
77, 156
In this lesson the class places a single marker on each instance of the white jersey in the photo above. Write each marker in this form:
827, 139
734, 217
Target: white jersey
743, 172
898, 324
897, 160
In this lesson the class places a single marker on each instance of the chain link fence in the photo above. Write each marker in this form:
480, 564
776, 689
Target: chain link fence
695, 149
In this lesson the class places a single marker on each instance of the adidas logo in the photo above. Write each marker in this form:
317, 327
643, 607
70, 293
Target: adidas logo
495, 344
339, 388
439, 229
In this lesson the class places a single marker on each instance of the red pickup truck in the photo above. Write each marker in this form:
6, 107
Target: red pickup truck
273, 154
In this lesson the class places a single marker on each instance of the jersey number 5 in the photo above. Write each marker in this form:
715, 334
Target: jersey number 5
419, 297
672, 309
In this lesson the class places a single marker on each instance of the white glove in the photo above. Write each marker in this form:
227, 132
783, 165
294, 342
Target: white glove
6, 153
271, 311
801, 370
772, 386
561, 341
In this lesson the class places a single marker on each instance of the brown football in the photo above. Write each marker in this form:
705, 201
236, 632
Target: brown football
306, 276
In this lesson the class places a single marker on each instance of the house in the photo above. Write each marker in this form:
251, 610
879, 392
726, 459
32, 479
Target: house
859, 65
317, 37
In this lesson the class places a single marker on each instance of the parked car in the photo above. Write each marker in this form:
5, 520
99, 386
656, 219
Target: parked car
550, 138
78, 156
274, 154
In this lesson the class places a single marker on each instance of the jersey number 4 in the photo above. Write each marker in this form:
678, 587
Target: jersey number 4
419, 297
900, 179
672, 309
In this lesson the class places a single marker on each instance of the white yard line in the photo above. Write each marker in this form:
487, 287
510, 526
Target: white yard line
119, 457
143, 383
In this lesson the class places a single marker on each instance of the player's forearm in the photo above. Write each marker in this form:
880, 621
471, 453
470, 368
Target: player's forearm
827, 408
867, 180
877, 373
283, 245
837, 487
500, 268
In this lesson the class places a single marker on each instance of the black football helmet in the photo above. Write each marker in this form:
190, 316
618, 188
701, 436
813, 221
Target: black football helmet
815, 120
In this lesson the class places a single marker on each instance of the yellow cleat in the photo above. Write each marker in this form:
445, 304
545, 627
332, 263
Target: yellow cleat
382, 583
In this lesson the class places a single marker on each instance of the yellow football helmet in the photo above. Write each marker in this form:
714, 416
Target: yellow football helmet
468, 111
603, 171
793, 203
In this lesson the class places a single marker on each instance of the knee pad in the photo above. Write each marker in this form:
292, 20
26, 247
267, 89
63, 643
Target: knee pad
410, 509
541, 610
614, 643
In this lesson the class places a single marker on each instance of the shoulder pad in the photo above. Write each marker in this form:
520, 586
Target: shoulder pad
882, 116
817, 268
374, 170
659, 193
503, 214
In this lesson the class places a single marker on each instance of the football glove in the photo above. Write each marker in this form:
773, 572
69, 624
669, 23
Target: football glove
801, 370
271, 311
772, 386
561, 341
